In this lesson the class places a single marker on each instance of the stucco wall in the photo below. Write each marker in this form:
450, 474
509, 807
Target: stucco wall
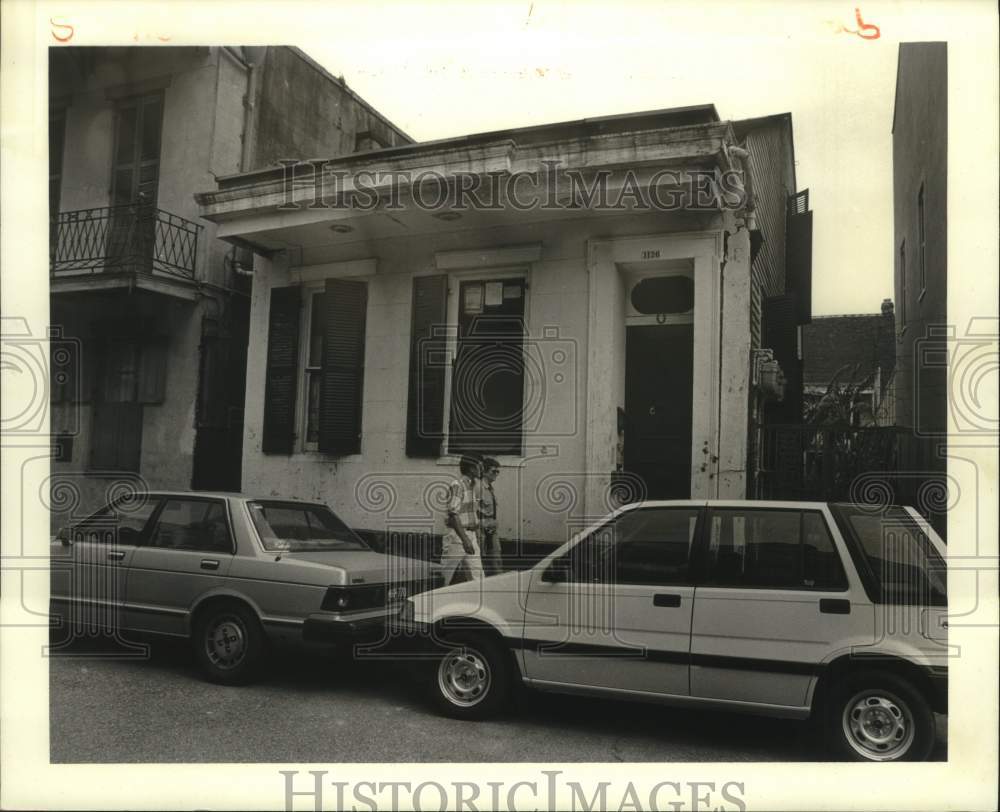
920, 156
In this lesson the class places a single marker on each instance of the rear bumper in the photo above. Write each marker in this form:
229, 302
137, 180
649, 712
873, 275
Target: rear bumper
326, 629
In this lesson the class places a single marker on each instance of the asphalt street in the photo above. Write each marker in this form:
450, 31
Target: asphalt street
325, 710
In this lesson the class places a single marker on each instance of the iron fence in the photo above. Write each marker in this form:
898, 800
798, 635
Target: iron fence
133, 239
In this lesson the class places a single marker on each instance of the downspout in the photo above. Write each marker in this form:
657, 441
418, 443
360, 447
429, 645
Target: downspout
249, 115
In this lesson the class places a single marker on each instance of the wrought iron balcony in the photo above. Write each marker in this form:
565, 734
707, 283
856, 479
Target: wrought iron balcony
123, 239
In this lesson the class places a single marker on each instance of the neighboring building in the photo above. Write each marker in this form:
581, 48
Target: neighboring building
848, 364
920, 248
592, 348
151, 307
920, 217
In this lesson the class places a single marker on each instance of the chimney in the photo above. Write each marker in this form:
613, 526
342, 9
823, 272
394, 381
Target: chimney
887, 309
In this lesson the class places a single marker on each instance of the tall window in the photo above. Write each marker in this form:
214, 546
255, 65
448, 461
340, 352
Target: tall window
314, 369
57, 140
902, 283
136, 167
487, 388
922, 245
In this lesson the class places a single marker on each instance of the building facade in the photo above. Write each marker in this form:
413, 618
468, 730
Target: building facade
511, 293
920, 226
150, 310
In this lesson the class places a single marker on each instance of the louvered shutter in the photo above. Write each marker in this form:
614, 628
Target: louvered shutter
282, 370
343, 367
425, 407
798, 255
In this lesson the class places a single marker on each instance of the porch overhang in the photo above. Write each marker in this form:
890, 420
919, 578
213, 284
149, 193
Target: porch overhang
424, 189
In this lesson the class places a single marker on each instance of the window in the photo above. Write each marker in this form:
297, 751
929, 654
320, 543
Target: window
902, 283
57, 141
286, 526
779, 549
903, 560
129, 523
648, 546
194, 525
921, 240
487, 386
332, 369
136, 167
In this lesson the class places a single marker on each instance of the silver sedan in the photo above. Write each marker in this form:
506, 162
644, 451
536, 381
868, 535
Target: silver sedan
235, 574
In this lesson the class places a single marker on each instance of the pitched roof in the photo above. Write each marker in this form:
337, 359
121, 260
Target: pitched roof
830, 342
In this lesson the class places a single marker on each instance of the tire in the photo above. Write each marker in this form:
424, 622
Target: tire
228, 643
879, 716
472, 678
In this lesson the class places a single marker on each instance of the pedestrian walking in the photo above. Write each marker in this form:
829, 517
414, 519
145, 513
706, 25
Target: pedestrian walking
460, 553
488, 518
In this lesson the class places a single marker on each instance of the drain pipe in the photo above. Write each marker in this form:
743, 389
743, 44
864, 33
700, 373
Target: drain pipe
749, 206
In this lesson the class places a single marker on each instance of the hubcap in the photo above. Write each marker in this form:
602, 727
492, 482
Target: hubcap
464, 677
878, 725
226, 642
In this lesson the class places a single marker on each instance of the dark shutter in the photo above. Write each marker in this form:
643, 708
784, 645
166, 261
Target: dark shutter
343, 367
798, 255
425, 407
781, 334
153, 371
116, 437
282, 369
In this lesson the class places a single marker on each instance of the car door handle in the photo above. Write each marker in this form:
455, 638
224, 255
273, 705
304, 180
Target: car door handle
665, 599
118, 555
835, 606
209, 564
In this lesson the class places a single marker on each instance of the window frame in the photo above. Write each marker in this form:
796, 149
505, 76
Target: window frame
922, 239
700, 562
498, 273
311, 291
80, 526
155, 518
690, 579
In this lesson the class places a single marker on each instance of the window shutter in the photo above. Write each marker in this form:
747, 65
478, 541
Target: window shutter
153, 371
798, 255
343, 367
116, 442
425, 407
282, 368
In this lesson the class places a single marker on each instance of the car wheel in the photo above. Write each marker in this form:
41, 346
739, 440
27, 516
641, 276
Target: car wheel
229, 643
878, 716
472, 678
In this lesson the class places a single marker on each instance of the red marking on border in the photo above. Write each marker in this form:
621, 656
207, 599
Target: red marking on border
67, 26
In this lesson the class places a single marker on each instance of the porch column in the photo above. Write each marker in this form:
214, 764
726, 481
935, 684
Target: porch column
734, 404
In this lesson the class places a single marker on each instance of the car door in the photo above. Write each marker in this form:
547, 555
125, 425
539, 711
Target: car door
773, 603
622, 617
187, 551
88, 576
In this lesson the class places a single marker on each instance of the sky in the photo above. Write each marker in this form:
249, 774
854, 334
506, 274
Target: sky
484, 66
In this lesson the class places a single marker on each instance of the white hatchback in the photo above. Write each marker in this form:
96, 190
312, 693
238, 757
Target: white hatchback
792, 609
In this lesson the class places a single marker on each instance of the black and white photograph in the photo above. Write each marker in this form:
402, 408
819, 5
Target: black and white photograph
516, 405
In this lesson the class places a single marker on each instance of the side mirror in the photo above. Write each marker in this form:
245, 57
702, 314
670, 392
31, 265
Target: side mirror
62, 535
556, 573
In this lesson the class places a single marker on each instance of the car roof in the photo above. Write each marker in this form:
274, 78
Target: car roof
239, 495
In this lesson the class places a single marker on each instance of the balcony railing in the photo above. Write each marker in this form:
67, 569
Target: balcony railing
126, 239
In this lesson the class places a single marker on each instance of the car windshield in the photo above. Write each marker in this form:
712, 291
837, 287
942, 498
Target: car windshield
902, 558
295, 528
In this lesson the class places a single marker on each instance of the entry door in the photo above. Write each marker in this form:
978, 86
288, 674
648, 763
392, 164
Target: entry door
135, 178
773, 603
188, 551
659, 370
622, 620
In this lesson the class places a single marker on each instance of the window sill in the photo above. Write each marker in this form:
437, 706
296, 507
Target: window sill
505, 460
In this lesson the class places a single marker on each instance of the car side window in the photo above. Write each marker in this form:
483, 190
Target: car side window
649, 546
192, 524
116, 523
777, 549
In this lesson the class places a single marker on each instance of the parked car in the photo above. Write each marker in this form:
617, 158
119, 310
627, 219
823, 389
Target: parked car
835, 612
233, 573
